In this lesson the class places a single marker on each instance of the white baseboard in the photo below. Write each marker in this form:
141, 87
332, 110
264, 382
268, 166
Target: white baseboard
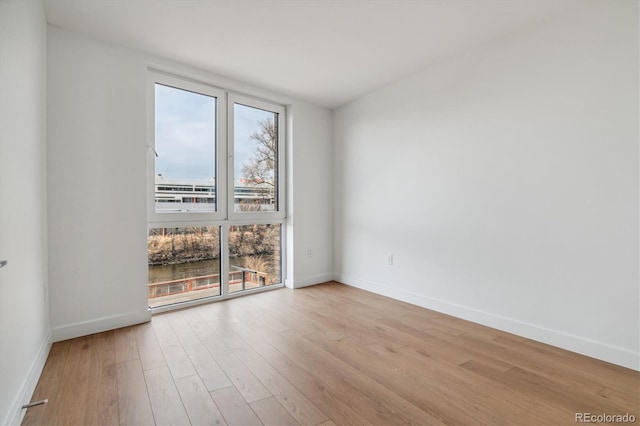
16, 413
603, 351
98, 325
311, 280
288, 283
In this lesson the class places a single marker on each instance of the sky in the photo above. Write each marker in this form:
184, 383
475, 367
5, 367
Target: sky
185, 131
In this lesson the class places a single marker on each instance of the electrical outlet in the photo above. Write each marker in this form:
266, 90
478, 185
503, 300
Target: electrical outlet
309, 253
390, 259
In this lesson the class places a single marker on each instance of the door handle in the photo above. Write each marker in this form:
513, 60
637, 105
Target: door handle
2, 263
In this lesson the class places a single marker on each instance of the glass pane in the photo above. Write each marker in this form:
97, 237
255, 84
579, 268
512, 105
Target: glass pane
255, 144
254, 256
185, 132
184, 264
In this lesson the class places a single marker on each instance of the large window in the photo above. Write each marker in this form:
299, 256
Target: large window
216, 183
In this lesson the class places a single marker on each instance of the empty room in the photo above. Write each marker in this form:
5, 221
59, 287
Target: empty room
319, 212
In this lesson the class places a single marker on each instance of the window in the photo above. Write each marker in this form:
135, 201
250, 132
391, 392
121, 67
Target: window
256, 178
216, 185
255, 159
188, 141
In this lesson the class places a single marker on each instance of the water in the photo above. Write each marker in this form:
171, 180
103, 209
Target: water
162, 273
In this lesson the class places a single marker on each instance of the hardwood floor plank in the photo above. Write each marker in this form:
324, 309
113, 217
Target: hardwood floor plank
424, 389
265, 318
304, 411
174, 354
333, 305
600, 372
134, 407
530, 390
302, 326
327, 423
444, 344
166, 403
148, 347
389, 307
348, 327
240, 376
49, 386
365, 395
230, 339
506, 402
126, 346
549, 367
271, 412
575, 400
419, 322
346, 305
234, 408
76, 384
435, 347
206, 366
328, 401
625, 400
102, 398
198, 402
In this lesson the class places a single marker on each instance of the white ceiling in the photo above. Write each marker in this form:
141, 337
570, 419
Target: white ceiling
325, 51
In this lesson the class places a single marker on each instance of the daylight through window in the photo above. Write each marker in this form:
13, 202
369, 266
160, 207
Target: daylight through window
216, 183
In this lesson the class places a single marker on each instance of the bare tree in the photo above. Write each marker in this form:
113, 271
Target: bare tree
261, 168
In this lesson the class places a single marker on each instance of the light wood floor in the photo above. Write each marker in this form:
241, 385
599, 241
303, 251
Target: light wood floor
327, 354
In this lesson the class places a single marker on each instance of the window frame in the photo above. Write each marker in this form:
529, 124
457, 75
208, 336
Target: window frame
220, 213
280, 212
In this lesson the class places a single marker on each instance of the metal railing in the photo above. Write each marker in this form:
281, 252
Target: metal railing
241, 276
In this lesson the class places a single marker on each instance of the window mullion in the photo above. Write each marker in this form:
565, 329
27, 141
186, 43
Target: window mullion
224, 257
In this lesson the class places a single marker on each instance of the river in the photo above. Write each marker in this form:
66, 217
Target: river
162, 273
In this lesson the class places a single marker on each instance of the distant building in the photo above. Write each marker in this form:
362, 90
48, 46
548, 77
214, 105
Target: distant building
181, 194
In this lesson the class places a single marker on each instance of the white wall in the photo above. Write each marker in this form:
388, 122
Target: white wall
97, 182
311, 195
505, 183
97, 174
24, 316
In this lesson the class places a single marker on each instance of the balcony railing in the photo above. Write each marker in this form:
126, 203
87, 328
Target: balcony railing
241, 277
